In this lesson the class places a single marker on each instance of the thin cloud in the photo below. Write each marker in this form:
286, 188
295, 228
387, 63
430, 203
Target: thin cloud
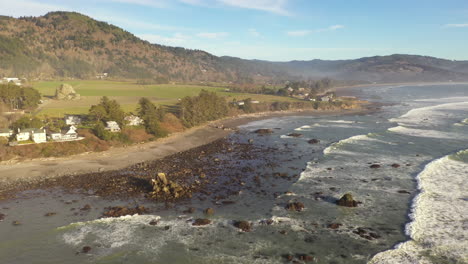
273, 6
19, 8
213, 35
456, 25
303, 33
278, 7
299, 33
150, 3
176, 39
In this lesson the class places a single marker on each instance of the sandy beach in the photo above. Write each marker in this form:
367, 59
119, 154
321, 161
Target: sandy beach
12, 173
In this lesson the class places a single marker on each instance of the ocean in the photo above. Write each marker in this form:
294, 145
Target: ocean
407, 165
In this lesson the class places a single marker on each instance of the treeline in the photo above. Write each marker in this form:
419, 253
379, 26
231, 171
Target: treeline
312, 87
17, 97
207, 106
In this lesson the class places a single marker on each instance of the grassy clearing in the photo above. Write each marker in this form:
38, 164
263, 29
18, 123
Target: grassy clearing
127, 94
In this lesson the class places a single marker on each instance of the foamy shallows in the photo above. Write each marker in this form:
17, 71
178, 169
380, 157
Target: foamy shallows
427, 133
430, 116
439, 225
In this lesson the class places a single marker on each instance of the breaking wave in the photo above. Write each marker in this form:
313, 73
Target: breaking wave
438, 216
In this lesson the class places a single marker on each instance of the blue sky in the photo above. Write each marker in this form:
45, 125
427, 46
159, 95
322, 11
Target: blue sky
281, 30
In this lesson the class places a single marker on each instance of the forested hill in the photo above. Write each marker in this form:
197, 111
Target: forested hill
67, 44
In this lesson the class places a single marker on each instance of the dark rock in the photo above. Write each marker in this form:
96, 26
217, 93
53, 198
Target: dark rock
167, 228
294, 135
118, 211
313, 141
86, 249
347, 200
374, 166
295, 206
209, 211
263, 131
50, 214
2, 217
283, 232
154, 222
334, 225
243, 225
404, 191
201, 222
190, 210
395, 165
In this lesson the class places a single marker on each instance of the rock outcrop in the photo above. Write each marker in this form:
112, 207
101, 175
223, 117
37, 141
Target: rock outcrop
163, 188
243, 225
347, 200
66, 92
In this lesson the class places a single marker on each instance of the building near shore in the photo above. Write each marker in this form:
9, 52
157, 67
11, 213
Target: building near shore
112, 126
133, 120
38, 135
6, 132
69, 134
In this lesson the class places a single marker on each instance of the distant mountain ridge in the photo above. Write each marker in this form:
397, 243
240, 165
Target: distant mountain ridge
72, 45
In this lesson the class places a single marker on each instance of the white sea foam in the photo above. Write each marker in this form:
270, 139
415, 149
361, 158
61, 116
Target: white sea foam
439, 217
336, 147
426, 133
430, 115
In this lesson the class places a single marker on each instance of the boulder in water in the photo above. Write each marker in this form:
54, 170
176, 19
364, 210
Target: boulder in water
243, 225
263, 131
347, 200
295, 206
313, 141
201, 222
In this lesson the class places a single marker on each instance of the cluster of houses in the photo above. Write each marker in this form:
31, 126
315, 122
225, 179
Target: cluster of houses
41, 135
302, 93
15, 80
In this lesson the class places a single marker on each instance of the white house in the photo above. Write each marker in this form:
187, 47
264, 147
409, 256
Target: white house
72, 120
66, 135
325, 98
112, 126
133, 120
16, 81
35, 134
5, 132
23, 135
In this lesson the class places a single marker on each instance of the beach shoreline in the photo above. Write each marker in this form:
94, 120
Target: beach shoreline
37, 170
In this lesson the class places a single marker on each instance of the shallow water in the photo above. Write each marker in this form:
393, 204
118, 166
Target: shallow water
421, 125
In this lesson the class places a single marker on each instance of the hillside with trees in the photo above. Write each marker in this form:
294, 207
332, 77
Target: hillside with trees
71, 45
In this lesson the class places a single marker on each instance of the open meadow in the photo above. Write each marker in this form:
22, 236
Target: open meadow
127, 93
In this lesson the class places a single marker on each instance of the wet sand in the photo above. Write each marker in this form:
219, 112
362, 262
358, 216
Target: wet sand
37, 170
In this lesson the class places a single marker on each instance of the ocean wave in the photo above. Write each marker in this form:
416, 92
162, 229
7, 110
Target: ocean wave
337, 147
426, 133
438, 217
430, 115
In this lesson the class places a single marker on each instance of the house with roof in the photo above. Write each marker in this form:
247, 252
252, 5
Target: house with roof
6, 132
69, 134
133, 120
112, 126
15, 80
38, 135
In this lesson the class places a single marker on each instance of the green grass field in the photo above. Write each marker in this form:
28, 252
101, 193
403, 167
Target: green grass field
127, 94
